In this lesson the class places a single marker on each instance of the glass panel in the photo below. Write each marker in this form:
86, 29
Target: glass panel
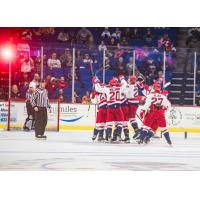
88, 62
182, 83
57, 70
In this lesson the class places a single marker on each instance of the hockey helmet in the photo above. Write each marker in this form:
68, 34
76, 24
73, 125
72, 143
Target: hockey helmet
132, 79
156, 87
113, 81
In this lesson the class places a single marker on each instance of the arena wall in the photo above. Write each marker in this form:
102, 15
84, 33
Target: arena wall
82, 117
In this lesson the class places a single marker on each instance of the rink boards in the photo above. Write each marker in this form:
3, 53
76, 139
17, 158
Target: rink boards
82, 117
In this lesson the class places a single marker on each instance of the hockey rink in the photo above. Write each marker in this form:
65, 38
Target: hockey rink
76, 151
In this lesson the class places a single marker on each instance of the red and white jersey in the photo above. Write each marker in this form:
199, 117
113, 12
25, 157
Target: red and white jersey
147, 90
131, 92
114, 94
99, 99
156, 98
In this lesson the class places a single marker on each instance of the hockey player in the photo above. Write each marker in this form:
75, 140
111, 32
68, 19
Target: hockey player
114, 112
154, 112
29, 123
154, 126
133, 101
100, 100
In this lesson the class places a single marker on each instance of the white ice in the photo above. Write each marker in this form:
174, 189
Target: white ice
76, 151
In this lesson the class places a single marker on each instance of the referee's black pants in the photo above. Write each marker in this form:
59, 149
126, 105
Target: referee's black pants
40, 121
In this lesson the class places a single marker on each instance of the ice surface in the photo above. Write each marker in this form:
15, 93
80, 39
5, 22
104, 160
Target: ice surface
76, 151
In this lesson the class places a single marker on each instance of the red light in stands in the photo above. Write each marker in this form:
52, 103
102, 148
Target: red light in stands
7, 53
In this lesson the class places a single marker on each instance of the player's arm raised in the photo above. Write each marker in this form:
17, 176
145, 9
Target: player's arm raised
98, 87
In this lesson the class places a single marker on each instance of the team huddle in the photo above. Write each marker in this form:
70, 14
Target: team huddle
118, 103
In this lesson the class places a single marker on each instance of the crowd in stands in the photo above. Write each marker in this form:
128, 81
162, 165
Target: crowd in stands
193, 38
118, 43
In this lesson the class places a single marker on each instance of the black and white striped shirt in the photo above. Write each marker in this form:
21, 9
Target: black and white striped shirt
40, 98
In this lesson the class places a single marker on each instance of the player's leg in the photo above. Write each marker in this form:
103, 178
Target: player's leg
163, 125
100, 135
95, 133
98, 124
126, 131
126, 114
119, 118
103, 120
109, 124
151, 132
147, 123
114, 138
132, 111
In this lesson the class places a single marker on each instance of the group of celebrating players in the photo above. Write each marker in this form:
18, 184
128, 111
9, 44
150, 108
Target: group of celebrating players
118, 103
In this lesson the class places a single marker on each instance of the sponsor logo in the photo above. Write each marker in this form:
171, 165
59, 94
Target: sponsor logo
71, 113
175, 117
71, 120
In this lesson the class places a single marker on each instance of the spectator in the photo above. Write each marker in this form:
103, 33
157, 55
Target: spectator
102, 46
160, 42
25, 78
72, 37
61, 96
120, 67
47, 30
127, 33
90, 43
79, 58
88, 93
112, 42
106, 34
53, 62
167, 43
37, 62
63, 36
27, 64
15, 92
48, 82
36, 79
26, 34
52, 88
148, 38
66, 58
124, 42
119, 52
83, 35
87, 59
77, 98
62, 83
117, 34
129, 66
23, 89
107, 63
85, 100
136, 34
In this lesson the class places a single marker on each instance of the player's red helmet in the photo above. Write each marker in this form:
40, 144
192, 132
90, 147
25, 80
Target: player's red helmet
156, 87
132, 79
113, 81
165, 92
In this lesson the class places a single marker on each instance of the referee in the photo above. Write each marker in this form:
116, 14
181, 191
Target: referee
40, 103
